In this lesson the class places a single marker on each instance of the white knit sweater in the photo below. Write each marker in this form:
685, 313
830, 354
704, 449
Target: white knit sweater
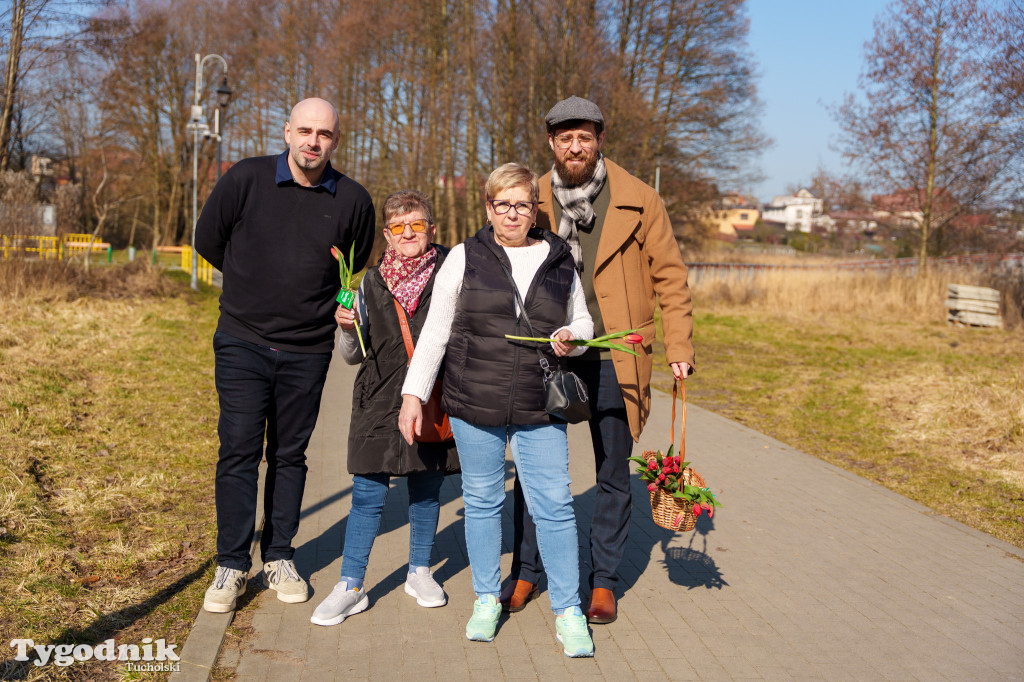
433, 341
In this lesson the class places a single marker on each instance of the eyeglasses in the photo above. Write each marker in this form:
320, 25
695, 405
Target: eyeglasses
565, 140
521, 207
420, 225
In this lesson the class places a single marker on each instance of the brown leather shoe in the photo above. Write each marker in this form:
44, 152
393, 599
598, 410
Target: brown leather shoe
602, 606
517, 595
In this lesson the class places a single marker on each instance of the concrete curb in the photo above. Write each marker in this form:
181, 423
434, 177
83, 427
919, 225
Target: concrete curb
201, 649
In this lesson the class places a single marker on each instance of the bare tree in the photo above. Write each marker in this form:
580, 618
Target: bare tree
928, 128
14, 49
431, 93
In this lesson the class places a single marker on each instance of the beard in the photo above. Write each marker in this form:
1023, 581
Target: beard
307, 164
576, 176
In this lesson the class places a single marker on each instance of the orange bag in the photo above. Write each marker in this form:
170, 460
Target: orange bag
435, 427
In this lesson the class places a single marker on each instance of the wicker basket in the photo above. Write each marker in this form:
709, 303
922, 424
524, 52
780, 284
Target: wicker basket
667, 511
670, 512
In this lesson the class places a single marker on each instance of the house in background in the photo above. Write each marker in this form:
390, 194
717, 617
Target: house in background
852, 222
734, 217
796, 212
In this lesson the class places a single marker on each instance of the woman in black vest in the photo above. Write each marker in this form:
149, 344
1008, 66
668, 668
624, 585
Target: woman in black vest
376, 450
494, 395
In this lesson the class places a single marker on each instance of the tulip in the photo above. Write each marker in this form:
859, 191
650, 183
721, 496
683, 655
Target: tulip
652, 487
633, 338
705, 506
652, 465
346, 297
711, 512
606, 341
696, 509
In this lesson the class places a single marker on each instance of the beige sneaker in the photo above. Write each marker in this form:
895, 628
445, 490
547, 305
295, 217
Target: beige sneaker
228, 585
282, 577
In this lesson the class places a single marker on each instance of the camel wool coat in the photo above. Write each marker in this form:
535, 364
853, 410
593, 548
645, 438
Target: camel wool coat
638, 265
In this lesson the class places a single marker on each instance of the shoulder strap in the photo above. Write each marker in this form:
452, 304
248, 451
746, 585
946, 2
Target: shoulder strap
403, 322
526, 318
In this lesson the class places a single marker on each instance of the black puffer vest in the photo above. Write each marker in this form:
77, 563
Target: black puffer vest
490, 380
375, 445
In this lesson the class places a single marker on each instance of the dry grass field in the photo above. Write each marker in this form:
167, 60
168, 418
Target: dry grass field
108, 432
862, 370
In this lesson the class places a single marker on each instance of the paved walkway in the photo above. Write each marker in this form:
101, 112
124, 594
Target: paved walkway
841, 579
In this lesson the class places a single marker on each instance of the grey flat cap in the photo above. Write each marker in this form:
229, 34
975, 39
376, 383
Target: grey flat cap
574, 109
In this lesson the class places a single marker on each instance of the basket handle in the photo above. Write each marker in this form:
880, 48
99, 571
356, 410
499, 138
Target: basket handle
677, 387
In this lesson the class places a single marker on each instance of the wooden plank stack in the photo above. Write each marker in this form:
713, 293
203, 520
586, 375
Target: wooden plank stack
974, 306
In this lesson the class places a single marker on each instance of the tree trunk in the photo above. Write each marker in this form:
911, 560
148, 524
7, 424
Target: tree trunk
11, 79
933, 136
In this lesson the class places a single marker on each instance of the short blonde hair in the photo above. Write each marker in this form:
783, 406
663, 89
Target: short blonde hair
512, 175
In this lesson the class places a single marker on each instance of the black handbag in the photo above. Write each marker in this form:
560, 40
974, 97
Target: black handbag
565, 394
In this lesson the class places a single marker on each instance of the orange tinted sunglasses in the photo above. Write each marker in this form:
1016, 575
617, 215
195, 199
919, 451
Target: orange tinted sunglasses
416, 225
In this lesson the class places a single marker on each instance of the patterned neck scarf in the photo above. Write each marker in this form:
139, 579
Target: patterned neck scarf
577, 206
407, 277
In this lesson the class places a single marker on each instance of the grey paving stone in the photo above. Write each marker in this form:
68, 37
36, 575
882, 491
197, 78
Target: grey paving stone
858, 583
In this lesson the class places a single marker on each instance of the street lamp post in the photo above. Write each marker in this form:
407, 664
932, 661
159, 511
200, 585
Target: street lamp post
223, 97
197, 124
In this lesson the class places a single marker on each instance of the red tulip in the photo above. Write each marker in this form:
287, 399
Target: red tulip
652, 487
711, 512
633, 338
696, 509
705, 506
652, 465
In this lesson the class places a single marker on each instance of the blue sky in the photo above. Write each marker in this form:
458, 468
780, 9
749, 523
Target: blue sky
807, 55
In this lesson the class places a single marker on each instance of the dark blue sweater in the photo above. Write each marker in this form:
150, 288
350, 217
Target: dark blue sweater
272, 238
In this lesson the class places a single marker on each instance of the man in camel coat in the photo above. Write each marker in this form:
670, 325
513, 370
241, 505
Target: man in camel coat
629, 260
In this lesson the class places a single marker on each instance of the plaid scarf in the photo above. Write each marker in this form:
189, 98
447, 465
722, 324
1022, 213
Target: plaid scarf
407, 277
577, 206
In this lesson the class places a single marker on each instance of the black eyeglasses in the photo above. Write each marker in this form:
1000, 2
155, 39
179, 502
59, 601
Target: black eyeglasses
521, 207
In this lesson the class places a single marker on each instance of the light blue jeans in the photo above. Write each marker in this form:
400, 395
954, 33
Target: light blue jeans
541, 455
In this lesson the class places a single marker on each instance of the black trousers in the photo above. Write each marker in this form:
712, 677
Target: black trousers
613, 444
271, 393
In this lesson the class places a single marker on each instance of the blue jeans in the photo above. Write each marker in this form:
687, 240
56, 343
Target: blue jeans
271, 393
613, 444
541, 455
369, 493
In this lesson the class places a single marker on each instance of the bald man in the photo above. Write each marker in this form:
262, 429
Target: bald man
269, 226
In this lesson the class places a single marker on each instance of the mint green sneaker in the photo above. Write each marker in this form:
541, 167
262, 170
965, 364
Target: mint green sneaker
571, 630
481, 627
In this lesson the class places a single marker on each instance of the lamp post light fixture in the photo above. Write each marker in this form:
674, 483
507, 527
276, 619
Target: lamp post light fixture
197, 124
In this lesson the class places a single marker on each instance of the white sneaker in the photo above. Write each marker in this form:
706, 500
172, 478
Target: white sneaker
422, 585
339, 605
282, 577
228, 585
